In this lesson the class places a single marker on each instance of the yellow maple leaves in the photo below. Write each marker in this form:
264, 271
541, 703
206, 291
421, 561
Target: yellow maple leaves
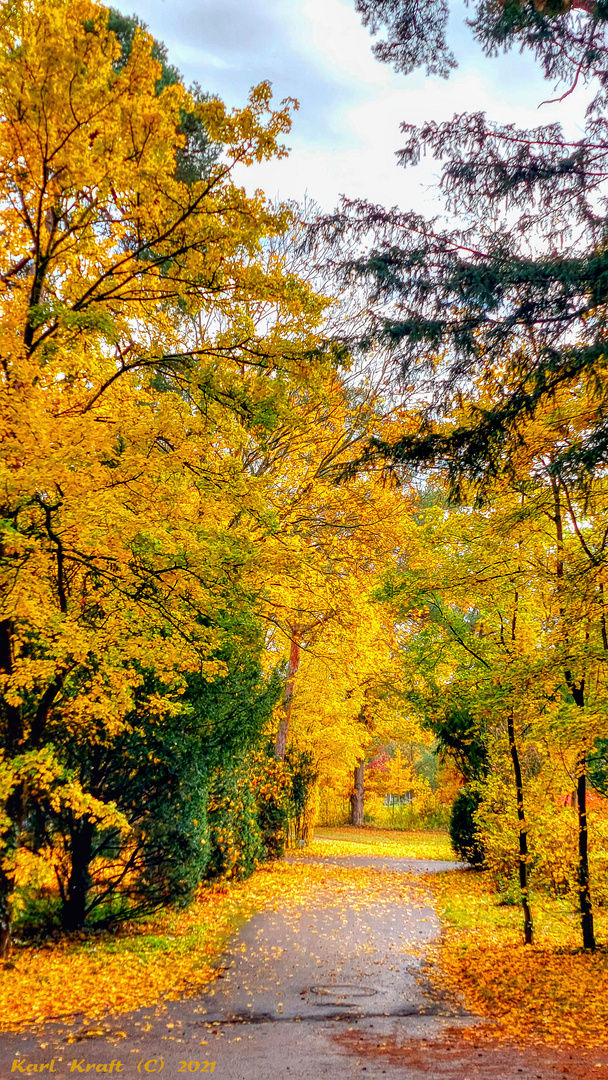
551, 993
111, 462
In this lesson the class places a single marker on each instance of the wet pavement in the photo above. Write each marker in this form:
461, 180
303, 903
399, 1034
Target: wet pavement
309, 964
291, 984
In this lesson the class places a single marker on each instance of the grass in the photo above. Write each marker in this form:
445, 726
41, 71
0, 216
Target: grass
350, 840
172, 954
551, 992
101, 972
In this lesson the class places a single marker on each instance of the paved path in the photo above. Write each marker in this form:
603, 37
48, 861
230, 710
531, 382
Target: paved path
382, 862
330, 960
308, 993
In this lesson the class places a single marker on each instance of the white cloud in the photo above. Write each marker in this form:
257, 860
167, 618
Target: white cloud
346, 133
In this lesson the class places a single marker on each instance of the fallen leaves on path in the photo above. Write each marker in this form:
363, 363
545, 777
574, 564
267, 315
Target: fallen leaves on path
93, 974
547, 994
174, 953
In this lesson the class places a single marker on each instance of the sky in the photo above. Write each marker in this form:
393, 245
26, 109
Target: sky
347, 130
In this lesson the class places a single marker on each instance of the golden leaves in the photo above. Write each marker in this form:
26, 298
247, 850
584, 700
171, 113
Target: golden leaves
551, 992
410, 844
171, 954
120, 416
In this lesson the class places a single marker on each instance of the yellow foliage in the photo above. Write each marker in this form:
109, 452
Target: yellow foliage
148, 342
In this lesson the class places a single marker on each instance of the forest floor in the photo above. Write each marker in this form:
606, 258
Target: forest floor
332, 964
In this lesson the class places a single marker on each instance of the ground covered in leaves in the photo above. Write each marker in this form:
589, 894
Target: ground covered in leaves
550, 993
396, 843
173, 954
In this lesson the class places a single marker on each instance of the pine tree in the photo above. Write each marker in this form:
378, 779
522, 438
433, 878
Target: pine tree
514, 297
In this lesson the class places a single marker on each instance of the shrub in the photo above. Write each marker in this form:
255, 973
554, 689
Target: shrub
463, 827
553, 844
151, 772
235, 833
304, 800
272, 788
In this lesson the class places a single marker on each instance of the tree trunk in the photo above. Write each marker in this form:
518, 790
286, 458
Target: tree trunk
358, 795
75, 910
584, 890
292, 670
9, 840
9, 844
580, 800
523, 834
306, 823
6, 888
584, 876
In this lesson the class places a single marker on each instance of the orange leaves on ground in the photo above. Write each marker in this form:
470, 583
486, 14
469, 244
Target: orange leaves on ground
101, 973
549, 993
170, 955
540, 993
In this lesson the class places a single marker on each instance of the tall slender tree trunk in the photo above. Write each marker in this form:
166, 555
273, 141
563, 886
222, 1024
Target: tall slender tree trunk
524, 890
577, 689
585, 905
6, 892
357, 799
584, 880
292, 670
523, 833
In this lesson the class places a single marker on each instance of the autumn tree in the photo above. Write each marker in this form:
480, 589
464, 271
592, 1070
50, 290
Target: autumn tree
498, 322
516, 588
317, 546
117, 559
466, 679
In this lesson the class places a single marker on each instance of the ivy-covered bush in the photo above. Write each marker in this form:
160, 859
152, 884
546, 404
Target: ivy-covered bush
152, 851
180, 806
463, 827
235, 834
304, 800
252, 809
272, 786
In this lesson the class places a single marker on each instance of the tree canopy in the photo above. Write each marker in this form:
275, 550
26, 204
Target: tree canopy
279, 515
